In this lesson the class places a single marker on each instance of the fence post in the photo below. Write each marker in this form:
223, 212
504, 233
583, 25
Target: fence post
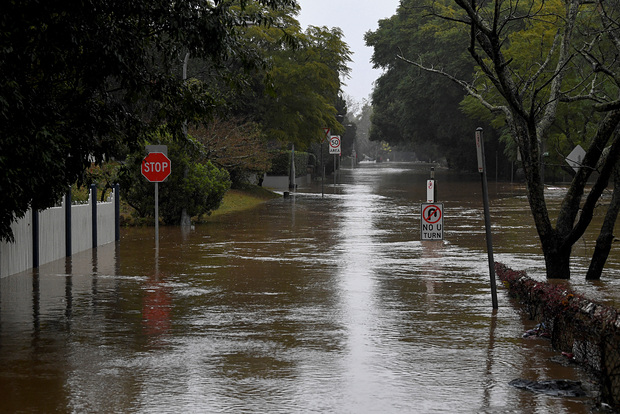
292, 173
68, 246
117, 212
93, 200
35, 237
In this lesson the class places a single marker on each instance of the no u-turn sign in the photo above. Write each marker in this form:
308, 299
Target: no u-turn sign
431, 221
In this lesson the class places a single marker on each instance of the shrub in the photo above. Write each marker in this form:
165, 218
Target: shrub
281, 161
196, 187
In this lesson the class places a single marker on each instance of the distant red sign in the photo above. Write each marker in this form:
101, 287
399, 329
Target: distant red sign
156, 167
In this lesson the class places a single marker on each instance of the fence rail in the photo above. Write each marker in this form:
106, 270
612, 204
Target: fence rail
44, 236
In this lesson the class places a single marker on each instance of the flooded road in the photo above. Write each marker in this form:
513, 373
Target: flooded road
305, 304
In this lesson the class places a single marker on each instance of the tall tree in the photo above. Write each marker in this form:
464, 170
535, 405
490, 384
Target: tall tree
237, 146
539, 60
410, 105
82, 82
297, 94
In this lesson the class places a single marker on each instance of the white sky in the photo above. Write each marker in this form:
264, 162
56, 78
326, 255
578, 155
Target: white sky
355, 18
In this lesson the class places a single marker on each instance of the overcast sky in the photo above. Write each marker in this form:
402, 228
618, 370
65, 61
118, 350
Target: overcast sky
355, 18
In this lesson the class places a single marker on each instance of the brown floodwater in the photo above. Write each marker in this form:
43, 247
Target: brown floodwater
327, 304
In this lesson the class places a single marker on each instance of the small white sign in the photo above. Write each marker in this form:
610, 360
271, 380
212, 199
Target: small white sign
575, 158
430, 191
431, 221
479, 145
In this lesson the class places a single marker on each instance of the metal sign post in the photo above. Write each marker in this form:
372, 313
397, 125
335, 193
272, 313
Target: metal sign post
334, 148
157, 215
326, 131
487, 215
335, 172
156, 167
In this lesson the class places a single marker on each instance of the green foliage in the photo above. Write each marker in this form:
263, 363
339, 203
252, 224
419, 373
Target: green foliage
281, 163
200, 192
196, 186
527, 44
552, 76
91, 81
104, 176
297, 93
412, 106
237, 146
80, 194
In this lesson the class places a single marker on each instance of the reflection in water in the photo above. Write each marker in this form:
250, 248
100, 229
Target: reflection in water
304, 304
355, 252
156, 308
488, 381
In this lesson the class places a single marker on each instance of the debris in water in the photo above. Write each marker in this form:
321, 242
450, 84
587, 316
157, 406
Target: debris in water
555, 388
569, 355
539, 331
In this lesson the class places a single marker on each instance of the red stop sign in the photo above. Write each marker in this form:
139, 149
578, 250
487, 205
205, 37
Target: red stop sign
156, 167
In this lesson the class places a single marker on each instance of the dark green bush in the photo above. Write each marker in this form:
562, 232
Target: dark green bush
197, 187
281, 162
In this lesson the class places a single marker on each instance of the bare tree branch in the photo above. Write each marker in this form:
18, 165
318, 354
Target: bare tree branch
563, 58
468, 87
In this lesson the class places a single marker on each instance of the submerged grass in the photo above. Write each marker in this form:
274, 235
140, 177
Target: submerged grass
235, 200
241, 199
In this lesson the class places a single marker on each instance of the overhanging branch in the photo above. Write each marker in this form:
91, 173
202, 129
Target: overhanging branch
465, 85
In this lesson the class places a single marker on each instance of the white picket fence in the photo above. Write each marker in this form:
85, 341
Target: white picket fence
19, 256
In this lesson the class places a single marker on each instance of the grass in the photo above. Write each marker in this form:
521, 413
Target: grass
235, 200
243, 199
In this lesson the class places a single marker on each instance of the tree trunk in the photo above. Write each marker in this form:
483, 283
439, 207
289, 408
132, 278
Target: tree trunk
555, 250
606, 236
557, 260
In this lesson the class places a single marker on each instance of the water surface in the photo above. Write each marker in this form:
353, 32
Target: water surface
305, 304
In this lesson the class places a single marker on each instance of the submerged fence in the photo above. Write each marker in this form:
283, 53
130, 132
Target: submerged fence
44, 236
587, 332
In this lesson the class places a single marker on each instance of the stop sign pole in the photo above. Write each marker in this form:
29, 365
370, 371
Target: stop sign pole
156, 167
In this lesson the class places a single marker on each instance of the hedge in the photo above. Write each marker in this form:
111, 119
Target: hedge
281, 161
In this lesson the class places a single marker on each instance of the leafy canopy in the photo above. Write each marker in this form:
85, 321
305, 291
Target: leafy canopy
83, 82
297, 93
411, 106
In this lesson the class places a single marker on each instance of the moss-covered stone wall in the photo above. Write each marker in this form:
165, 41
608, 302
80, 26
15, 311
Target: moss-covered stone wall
587, 331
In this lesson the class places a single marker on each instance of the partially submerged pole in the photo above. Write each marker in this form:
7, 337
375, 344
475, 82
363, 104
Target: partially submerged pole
326, 131
291, 174
156, 215
322, 172
487, 215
